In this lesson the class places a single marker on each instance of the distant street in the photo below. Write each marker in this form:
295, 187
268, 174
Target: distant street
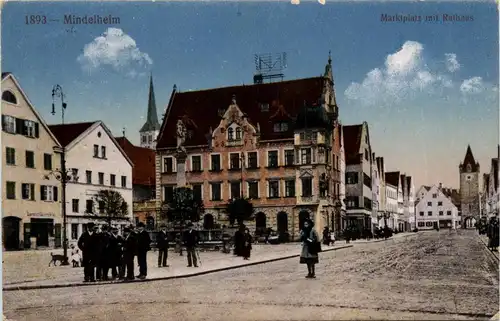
428, 275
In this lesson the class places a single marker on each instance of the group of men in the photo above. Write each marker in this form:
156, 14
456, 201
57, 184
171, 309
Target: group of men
105, 250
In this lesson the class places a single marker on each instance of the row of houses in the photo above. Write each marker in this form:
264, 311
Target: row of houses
490, 196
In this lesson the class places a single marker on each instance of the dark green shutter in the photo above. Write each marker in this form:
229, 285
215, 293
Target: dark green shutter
27, 235
56, 194
37, 130
32, 191
58, 236
41, 193
19, 126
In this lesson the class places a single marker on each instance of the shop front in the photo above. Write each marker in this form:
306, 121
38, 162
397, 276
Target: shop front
40, 230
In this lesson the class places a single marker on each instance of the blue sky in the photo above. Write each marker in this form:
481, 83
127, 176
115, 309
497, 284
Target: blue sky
426, 89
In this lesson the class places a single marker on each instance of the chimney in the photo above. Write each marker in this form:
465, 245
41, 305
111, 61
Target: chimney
440, 185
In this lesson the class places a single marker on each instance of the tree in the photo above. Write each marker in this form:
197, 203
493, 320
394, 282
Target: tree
239, 210
110, 206
183, 207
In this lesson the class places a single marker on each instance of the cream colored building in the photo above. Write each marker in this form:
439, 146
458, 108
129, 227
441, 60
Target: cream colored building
31, 208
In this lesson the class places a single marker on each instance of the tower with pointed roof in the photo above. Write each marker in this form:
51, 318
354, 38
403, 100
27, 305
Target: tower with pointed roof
469, 189
151, 128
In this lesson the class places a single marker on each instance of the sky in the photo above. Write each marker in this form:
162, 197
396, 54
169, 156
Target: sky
426, 88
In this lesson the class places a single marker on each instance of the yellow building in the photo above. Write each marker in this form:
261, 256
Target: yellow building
31, 208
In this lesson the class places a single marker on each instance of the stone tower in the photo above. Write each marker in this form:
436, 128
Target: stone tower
469, 189
150, 130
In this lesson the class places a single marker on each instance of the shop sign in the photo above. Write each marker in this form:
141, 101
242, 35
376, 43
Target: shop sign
40, 214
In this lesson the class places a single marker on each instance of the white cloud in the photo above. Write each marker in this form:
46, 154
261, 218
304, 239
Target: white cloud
404, 74
116, 49
473, 85
451, 62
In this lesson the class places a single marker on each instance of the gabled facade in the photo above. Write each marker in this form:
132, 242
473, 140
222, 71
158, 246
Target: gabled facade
493, 196
382, 203
151, 128
273, 143
341, 222
469, 189
409, 202
421, 191
31, 208
359, 162
375, 191
97, 162
394, 196
436, 209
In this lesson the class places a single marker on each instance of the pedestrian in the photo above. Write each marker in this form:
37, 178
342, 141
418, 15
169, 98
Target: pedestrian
347, 235
114, 252
247, 244
326, 236
106, 253
76, 259
88, 243
190, 239
129, 251
310, 243
493, 234
163, 245
143, 246
238, 240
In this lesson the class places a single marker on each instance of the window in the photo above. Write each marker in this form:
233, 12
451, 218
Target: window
238, 133
101, 178
10, 156
352, 202
96, 151
264, 107
216, 192
168, 193
306, 187
367, 155
101, 205
290, 188
441, 213
74, 173
272, 158
351, 178
89, 206
429, 224
28, 192
367, 180
150, 139
124, 181
235, 190
440, 203
429, 213
280, 127
9, 97
197, 192
289, 159
11, 190
234, 161
74, 231
421, 224
230, 133
29, 128
367, 203
448, 212
47, 162
103, 151
215, 163
252, 159
305, 154
9, 124
429, 203
434, 195
30, 159
168, 165
144, 139
253, 190
421, 213
274, 189
112, 179
75, 205
88, 175
196, 163
48, 193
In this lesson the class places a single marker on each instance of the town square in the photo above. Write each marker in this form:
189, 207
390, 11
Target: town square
249, 161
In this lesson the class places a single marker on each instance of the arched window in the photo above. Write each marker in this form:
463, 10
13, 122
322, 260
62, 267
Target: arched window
9, 97
230, 134
238, 133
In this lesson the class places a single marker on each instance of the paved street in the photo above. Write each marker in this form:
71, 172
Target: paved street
428, 275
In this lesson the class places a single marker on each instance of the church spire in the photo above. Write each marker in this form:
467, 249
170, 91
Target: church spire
152, 123
469, 160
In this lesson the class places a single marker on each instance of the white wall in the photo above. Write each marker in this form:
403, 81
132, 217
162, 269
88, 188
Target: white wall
391, 205
425, 208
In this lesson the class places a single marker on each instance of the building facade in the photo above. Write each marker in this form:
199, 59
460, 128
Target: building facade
394, 199
358, 174
382, 204
151, 128
469, 171
409, 202
95, 162
31, 208
341, 222
391, 215
259, 142
376, 197
492, 195
435, 209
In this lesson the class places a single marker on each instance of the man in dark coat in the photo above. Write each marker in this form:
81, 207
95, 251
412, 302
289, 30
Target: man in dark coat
114, 252
129, 251
143, 246
162, 244
106, 254
190, 239
88, 243
239, 241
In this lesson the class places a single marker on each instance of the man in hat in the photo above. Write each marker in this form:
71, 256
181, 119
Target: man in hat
88, 244
190, 239
143, 246
105, 253
162, 243
129, 251
115, 244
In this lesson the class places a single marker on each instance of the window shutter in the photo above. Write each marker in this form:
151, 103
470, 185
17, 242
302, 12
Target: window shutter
32, 192
19, 126
37, 130
42, 192
3, 121
55, 193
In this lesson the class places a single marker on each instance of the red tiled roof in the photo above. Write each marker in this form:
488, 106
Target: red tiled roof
200, 109
66, 133
469, 159
143, 172
392, 178
352, 143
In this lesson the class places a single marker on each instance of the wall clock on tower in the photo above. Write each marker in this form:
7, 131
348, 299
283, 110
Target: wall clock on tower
468, 177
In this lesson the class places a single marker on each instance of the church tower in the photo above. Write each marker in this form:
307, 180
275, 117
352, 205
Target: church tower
150, 130
469, 189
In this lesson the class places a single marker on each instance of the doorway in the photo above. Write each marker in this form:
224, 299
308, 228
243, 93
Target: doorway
42, 228
11, 229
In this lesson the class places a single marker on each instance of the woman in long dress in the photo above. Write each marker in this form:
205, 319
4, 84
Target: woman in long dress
308, 236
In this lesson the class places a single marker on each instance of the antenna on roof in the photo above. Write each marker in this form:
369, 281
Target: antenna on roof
269, 66
123, 131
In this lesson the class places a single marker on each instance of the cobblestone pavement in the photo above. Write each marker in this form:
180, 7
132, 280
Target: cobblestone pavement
433, 276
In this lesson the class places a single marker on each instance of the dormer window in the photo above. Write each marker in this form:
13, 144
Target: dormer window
264, 107
280, 127
9, 97
238, 133
230, 133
